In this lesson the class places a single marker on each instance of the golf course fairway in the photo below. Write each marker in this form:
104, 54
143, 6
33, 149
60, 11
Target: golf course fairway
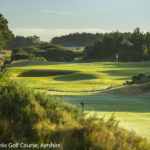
98, 85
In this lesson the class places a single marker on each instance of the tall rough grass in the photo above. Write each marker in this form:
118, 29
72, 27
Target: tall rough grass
31, 117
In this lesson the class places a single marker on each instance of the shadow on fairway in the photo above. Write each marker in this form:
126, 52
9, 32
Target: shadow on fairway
44, 73
127, 65
124, 72
76, 76
112, 103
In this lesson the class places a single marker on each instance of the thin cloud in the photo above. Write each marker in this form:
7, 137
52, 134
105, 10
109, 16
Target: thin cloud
47, 34
58, 12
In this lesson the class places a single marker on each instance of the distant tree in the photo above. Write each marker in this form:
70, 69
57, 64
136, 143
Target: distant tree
137, 38
105, 48
126, 52
128, 46
111, 43
77, 39
5, 33
45, 51
147, 41
143, 53
140, 43
21, 41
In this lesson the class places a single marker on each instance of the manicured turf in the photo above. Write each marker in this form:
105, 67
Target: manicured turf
83, 82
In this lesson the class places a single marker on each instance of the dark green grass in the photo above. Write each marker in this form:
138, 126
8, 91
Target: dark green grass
44, 73
76, 77
113, 103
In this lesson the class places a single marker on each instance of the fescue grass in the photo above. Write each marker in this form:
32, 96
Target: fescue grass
86, 83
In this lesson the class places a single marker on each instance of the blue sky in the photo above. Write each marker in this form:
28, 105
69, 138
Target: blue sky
49, 18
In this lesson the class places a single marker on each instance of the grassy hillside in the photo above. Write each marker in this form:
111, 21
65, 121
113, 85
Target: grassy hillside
88, 82
45, 52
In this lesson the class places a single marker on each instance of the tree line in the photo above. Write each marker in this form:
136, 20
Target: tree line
31, 47
45, 52
9, 41
5, 33
77, 39
21, 41
115, 46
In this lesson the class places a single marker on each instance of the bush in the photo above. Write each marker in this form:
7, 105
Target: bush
138, 79
29, 117
142, 75
99, 135
20, 115
45, 52
1, 63
135, 79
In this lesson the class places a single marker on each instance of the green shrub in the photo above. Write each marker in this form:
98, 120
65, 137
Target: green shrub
44, 52
29, 117
99, 135
138, 79
19, 113
39, 59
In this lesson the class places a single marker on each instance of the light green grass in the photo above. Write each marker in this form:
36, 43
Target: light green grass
84, 83
87, 77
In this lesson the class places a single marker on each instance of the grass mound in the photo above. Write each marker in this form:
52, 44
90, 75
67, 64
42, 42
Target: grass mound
135, 89
43, 73
77, 76
30, 117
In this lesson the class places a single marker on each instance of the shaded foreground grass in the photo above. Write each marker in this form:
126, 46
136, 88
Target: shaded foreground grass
88, 90
133, 112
